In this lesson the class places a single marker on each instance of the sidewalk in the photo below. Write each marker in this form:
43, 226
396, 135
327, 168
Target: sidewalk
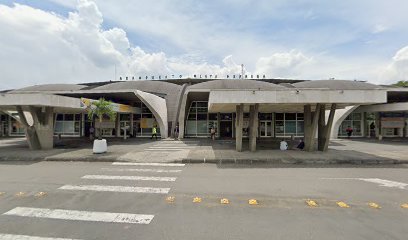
359, 151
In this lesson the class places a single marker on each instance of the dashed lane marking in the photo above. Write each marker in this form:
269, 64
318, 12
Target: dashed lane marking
311, 203
149, 164
20, 194
104, 188
80, 215
140, 170
405, 205
133, 178
224, 201
253, 202
170, 199
343, 205
41, 194
196, 200
26, 237
374, 205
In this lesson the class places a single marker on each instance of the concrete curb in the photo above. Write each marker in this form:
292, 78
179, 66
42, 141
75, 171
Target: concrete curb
294, 161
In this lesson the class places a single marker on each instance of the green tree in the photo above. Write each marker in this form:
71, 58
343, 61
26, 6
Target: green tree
99, 109
401, 84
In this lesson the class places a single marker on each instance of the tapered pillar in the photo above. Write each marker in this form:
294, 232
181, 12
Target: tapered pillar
238, 126
325, 129
311, 126
321, 128
253, 126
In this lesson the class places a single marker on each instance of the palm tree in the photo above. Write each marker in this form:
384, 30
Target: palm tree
99, 109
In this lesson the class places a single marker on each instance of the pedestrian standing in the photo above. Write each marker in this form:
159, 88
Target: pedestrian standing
154, 132
212, 131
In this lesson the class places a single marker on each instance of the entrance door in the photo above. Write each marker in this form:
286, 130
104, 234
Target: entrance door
226, 129
265, 129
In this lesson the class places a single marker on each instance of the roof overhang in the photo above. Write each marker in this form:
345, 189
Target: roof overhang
291, 100
8, 102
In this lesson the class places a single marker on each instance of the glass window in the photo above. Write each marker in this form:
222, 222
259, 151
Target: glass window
290, 116
77, 117
300, 116
69, 117
290, 127
191, 127
279, 116
300, 128
201, 116
202, 104
279, 127
202, 127
60, 117
212, 116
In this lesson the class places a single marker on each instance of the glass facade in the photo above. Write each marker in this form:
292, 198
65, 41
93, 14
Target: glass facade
354, 120
15, 128
68, 124
199, 121
288, 124
143, 122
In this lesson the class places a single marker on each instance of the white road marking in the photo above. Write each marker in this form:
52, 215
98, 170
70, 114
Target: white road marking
381, 182
140, 170
105, 188
149, 164
26, 237
135, 178
164, 150
184, 147
81, 215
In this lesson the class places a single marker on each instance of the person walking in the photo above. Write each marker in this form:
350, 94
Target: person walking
176, 132
154, 132
349, 131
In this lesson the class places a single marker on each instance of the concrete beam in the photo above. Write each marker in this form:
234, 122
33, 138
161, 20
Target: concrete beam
238, 127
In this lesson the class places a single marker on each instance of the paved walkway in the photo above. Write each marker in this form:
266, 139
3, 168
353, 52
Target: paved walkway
359, 151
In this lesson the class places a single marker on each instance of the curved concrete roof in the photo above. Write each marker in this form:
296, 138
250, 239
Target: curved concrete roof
171, 91
337, 85
235, 84
51, 87
146, 86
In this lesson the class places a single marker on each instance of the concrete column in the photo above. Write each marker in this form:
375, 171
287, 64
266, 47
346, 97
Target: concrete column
31, 134
131, 125
307, 115
377, 124
238, 127
253, 126
321, 127
43, 118
117, 125
324, 134
218, 124
311, 127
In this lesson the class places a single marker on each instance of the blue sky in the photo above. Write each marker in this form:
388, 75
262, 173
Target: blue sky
364, 40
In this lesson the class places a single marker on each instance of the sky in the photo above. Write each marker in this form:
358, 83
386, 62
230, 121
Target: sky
76, 41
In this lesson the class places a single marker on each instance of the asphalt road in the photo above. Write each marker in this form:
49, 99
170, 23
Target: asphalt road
64, 211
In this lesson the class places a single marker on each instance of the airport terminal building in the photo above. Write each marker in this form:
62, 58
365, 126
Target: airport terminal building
235, 108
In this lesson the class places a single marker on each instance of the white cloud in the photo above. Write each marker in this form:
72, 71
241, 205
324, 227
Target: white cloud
282, 65
397, 70
38, 46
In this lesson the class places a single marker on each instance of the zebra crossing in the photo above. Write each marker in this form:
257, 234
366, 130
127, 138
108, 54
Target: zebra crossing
103, 183
171, 146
